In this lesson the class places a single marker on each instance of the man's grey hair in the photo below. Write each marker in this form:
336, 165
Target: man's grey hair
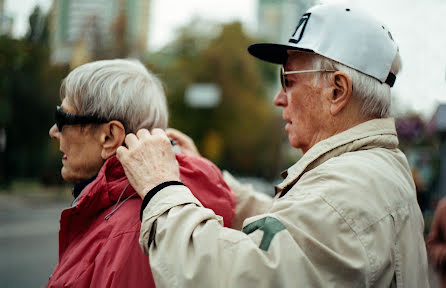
119, 89
374, 95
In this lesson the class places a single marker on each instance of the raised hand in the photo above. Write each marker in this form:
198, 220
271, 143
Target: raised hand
148, 160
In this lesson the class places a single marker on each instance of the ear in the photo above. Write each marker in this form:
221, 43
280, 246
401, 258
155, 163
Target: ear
341, 92
112, 137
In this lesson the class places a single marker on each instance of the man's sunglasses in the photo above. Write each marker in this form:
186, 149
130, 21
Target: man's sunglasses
64, 118
284, 80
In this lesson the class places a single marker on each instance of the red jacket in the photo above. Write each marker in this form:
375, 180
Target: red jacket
99, 252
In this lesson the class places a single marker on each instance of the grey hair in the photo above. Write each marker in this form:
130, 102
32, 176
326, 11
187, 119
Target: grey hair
119, 89
374, 95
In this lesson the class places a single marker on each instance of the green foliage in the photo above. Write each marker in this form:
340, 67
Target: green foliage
243, 132
28, 93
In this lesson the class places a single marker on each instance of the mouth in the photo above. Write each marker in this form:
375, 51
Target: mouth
288, 123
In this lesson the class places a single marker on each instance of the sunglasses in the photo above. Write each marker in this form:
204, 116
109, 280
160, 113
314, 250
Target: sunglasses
284, 80
64, 118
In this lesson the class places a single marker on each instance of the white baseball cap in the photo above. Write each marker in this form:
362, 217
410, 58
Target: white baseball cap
341, 32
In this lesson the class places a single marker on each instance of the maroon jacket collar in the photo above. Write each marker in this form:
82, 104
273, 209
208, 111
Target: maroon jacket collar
99, 195
105, 190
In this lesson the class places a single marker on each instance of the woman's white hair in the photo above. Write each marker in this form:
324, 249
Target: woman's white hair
119, 89
374, 95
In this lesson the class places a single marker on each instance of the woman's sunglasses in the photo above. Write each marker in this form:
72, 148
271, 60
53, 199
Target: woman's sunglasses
63, 118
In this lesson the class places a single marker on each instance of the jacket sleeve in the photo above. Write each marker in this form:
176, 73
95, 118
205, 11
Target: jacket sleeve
189, 247
249, 202
436, 244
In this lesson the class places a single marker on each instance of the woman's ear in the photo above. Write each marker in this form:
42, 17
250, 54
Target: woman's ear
113, 135
341, 92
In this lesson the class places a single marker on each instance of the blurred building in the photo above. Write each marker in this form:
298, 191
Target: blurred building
438, 121
420, 144
438, 126
5, 20
82, 30
277, 19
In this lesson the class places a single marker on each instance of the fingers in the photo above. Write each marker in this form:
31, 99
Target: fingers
172, 133
157, 131
186, 144
131, 140
142, 133
176, 135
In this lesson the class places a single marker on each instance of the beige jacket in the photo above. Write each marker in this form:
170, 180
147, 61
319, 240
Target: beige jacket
345, 216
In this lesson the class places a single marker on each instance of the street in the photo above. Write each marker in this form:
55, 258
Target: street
28, 239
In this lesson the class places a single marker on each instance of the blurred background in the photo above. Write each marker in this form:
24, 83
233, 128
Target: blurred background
217, 94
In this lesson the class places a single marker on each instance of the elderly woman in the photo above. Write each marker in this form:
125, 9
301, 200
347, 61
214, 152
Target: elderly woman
98, 239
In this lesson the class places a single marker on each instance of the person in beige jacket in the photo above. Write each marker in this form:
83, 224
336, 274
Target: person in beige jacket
346, 213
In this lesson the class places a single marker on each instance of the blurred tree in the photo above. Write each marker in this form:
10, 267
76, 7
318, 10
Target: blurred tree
38, 32
29, 93
243, 132
120, 47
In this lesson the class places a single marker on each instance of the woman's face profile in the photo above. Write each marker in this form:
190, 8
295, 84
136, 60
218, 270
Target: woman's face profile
81, 148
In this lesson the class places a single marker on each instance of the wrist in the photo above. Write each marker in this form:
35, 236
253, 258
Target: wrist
150, 193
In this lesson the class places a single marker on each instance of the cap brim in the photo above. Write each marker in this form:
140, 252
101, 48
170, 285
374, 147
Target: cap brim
271, 52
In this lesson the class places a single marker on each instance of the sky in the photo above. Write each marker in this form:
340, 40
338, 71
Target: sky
419, 28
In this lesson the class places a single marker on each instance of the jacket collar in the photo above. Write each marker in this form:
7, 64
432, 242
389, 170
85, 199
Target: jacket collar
370, 134
105, 190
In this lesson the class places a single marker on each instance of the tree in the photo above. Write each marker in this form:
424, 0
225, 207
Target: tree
242, 132
29, 93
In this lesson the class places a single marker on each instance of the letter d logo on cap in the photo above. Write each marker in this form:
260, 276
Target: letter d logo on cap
297, 35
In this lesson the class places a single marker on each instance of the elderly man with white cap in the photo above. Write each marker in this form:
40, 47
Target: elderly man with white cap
346, 213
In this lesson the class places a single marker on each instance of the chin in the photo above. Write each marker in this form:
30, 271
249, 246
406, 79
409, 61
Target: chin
68, 177
297, 145
293, 142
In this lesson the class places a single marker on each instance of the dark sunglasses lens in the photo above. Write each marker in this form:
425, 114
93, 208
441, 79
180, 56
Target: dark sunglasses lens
59, 118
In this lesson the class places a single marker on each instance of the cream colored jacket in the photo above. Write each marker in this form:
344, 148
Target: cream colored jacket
346, 215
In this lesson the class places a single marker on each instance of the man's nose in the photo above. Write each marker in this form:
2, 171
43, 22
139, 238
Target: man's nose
280, 98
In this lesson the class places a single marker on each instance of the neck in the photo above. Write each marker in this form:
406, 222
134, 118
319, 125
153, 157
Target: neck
337, 124
349, 117
78, 187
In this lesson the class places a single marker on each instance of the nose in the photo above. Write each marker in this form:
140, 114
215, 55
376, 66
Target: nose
54, 132
280, 98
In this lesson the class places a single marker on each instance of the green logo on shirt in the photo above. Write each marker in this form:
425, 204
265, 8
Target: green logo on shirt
270, 227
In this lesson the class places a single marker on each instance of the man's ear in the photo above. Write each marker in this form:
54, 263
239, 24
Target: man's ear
113, 135
341, 92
